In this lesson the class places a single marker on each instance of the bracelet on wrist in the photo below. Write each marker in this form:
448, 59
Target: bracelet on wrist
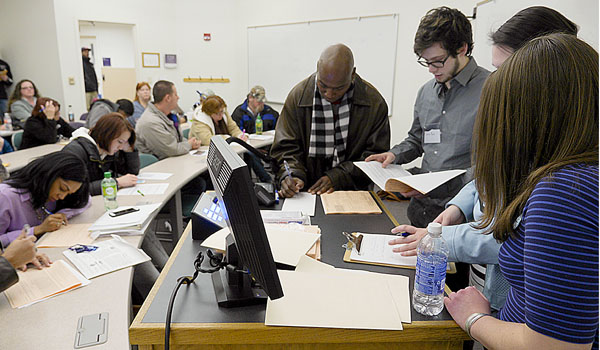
471, 320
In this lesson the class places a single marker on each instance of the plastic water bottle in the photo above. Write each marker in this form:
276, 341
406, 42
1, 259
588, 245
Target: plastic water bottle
71, 114
259, 125
430, 276
109, 191
7, 122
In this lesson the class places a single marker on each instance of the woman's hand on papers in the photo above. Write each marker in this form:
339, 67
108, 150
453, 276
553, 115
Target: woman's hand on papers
409, 243
466, 302
290, 186
323, 185
194, 142
413, 193
127, 180
385, 158
451, 216
51, 223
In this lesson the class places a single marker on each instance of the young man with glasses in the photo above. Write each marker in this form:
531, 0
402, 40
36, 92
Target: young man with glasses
444, 115
329, 120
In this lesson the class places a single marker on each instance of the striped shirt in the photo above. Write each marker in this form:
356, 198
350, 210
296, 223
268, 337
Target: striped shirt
552, 265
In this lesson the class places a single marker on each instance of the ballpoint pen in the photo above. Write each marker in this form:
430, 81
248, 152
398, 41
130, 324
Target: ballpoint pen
403, 234
51, 213
287, 168
140, 192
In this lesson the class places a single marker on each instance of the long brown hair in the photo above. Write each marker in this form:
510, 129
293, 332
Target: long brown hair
538, 112
109, 127
16, 94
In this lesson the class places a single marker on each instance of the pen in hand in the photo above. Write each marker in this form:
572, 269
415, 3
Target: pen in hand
51, 213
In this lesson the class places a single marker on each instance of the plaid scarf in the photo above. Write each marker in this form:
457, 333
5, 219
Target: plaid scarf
328, 134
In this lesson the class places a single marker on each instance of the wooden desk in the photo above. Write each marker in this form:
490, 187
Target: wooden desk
198, 323
51, 324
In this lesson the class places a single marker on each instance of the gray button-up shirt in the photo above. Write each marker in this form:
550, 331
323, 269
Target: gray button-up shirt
451, 111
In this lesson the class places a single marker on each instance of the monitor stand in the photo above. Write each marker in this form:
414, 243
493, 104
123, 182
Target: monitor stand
232, 288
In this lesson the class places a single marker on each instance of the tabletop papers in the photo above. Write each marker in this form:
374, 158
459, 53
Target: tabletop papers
302, 201
319, 295
37, 285
375, 248
144, 189
349, 202
111, 255
66, 236
154, 176
287, 245
128, 222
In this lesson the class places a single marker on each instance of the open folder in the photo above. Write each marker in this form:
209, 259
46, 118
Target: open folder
394, 178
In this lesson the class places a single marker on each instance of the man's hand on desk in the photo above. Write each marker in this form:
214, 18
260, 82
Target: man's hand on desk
385, 158
290, 186
410, 242
323, 185
22, 251
195, 143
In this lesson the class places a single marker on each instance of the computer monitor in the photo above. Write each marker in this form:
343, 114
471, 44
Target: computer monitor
248, 248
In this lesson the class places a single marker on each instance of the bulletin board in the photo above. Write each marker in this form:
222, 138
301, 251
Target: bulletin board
280, 56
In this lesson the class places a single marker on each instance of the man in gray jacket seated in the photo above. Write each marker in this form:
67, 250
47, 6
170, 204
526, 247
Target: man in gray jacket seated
157, 129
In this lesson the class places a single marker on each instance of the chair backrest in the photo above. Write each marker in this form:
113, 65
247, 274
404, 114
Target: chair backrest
186, 133
16, 139
76, 125
147, 159
83, 116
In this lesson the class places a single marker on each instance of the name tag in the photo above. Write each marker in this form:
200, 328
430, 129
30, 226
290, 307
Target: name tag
432, 136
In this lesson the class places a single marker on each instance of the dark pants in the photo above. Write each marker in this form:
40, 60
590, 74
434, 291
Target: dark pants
422, 211
255, 163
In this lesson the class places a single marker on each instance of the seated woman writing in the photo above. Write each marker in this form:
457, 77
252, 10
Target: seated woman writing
108, 146
45, 124
44, 195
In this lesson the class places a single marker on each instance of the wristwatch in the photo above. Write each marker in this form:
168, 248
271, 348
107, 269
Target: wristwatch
471, 320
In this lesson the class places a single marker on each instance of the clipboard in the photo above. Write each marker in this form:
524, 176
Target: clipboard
451, 269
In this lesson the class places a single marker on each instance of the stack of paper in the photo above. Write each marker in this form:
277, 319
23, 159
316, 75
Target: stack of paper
394, 178
339, 298
37, 285
154, 176
349, 202
131, 222
374, 248
144, 189
111, 255
287, 245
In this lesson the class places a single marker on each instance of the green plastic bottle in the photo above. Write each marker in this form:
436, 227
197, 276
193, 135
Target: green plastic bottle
109, 191
259, 125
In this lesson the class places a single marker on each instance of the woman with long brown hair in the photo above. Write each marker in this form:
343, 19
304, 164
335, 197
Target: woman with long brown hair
536, 169
45, 124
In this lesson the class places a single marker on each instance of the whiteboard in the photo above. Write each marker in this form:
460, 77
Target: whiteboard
280, 56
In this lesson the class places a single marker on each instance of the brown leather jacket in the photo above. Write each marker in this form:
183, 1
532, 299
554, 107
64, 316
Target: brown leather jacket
368, 133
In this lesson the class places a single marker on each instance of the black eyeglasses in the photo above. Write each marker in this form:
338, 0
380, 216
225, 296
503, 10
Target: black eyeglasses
436, 64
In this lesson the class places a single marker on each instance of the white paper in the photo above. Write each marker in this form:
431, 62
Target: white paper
287, 246
375, 248
111, 255
302, 201
146, 189
154, 176
131, 221
355, 301
259, 137
379, 175
425, 183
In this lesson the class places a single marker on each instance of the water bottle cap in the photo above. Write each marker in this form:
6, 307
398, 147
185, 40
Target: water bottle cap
434, 227
107, 175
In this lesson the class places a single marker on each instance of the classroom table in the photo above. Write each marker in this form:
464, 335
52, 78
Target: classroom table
18, 159
51, 324
198, 323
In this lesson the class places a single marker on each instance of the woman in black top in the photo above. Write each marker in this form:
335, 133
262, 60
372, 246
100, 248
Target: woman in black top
45, 124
